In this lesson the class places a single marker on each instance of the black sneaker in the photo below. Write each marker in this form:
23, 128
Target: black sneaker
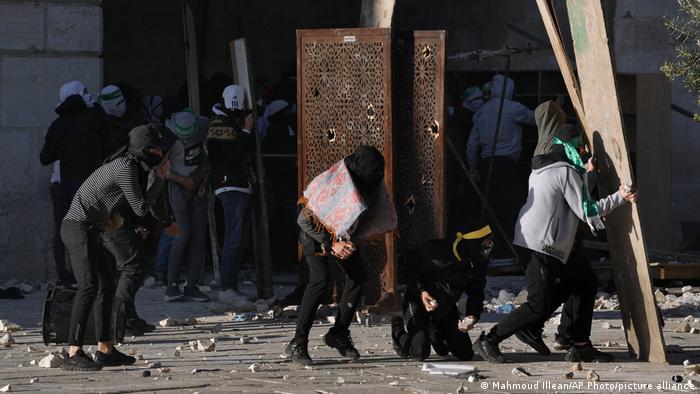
562, 342
342, 342
298, 352
487, 350
139, 325
80, 362
115, 358
192, 293
173, 294
588, 354
437, 342
397, 330
533, 338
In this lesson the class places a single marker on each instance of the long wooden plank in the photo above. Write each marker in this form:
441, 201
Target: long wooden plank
654, 157
602, 111
243, 75
191, 60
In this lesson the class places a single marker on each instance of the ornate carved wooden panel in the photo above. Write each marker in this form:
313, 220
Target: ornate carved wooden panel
344, 100
419, 69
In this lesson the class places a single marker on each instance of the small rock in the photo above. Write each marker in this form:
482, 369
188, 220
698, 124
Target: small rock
164, 370
330, 319
695, 330
617, 369
244, 340
6, 388
7, 340
308, 367
254, 367
521, 298
33, 380
520, 371
568, 375
155, 365
340, 380
285, 377
51, 361
607, 326
461, 389
32, 349
33, 362
139, 357
593, 376
686, 289
692, 370
394, 383
233, 371
686, 362
176, 353
689, 319
677, 378
683, 327
205, 345
194, 371
8, 326
146, 373
576, 367
660, 296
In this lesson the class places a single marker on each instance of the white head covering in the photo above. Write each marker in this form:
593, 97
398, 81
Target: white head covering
233, 97
112, 101
74, 87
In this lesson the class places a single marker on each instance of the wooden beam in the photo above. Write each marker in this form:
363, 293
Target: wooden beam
376, 13
602, 112
243, 75
191, 61
654, 157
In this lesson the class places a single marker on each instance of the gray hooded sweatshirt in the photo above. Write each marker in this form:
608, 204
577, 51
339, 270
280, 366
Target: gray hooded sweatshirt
548, 221
510, 133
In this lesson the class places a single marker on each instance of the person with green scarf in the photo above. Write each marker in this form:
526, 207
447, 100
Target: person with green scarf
557, 272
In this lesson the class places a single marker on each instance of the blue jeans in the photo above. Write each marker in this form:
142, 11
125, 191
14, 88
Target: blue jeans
163, 253
235, 206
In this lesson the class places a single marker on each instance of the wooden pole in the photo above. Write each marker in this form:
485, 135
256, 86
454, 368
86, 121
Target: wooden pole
243, 74
191, 61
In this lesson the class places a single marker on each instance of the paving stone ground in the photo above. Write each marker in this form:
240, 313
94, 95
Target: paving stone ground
378, 371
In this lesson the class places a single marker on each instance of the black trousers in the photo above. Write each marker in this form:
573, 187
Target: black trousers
60, 207
125, 245
422, 330
95, 283
319, 268
549, 283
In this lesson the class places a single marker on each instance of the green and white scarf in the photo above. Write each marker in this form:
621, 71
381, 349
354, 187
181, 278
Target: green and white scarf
590, 206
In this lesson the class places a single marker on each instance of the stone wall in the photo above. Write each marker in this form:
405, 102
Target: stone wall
43, 44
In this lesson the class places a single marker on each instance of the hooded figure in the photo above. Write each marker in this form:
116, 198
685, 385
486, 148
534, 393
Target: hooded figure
473, 99
546, 227
75, 87
112, 101
436, 275
510, 134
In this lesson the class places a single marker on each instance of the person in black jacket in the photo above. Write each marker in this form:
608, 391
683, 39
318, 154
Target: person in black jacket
230, 147
436, 275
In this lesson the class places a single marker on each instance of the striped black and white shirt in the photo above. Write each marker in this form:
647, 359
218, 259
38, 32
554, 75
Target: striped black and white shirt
113, 185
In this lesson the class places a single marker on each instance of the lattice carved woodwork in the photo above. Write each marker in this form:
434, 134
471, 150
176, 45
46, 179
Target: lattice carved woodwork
419, 59
344, 100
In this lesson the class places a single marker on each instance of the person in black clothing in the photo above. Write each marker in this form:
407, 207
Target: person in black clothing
436, 275
97, 211
74, 141
230, 147
119, 118
324, 243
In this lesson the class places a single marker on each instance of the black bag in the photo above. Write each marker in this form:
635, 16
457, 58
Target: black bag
56, 320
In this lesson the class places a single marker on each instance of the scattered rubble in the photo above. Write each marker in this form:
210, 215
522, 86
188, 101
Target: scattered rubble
577, 367
33, 380
254, 367
683, 327
7, 340
340, 380
171, 322
6, 388
203, 345
164, 370
53, 360
566, 376
8, 326
520, 371
461, 389
692, 369
593, 376
521, 298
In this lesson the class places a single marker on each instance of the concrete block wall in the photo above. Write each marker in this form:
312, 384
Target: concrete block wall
43, 44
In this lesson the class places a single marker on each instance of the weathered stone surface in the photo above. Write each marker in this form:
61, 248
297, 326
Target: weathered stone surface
22, 26
74, 28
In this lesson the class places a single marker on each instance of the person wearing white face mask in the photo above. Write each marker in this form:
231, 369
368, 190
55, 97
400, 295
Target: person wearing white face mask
72, 146
118, 121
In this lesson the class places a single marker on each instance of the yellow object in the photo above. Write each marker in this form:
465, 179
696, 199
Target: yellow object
476, 234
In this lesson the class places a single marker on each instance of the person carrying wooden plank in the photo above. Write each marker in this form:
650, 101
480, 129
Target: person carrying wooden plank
547, 226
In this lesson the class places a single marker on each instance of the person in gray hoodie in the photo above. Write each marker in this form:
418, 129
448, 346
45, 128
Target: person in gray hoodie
546, 227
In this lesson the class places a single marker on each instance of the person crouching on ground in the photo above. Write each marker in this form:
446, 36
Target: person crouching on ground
93, 213
436, 275
547, 226
345, 205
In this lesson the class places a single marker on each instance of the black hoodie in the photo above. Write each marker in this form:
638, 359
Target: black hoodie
74, 139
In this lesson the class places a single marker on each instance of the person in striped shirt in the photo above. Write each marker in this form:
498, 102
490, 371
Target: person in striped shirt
102, 207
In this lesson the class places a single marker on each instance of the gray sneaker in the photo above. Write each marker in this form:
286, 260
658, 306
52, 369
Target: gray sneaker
173, 294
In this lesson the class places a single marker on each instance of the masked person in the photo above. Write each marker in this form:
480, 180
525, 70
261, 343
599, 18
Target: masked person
189, 205
342, 207
94, 212
505, 195
73, 146
230, 148
117, 124
547, 225
436, 276
473, 99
